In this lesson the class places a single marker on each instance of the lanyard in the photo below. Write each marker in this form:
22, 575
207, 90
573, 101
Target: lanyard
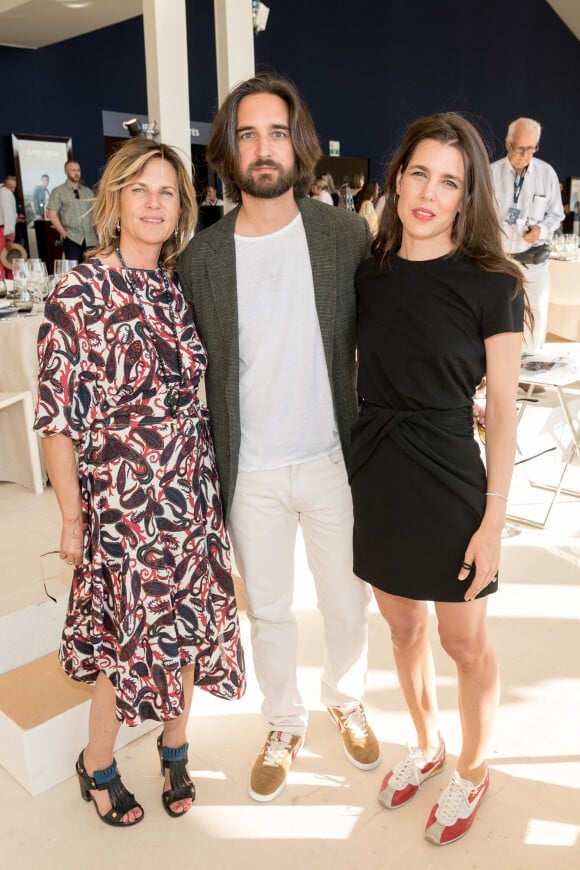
518, 181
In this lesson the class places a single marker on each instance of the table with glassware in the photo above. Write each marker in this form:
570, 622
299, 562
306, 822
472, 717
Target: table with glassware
21, 311
19, 371
555, 367
564, 309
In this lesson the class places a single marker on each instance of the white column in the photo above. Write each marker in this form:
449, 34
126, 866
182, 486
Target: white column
234, 37
164, 22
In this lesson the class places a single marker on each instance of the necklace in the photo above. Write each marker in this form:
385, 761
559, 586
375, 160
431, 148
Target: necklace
173, 393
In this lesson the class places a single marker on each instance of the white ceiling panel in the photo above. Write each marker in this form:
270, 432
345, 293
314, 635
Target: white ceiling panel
36, 23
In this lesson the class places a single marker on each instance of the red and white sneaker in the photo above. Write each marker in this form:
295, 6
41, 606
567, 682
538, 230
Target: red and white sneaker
453, 814
401, 784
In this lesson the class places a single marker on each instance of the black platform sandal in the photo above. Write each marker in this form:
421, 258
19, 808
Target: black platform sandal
182, 788
122, 801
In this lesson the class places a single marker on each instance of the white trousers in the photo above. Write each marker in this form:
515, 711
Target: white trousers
264, 517
537, 285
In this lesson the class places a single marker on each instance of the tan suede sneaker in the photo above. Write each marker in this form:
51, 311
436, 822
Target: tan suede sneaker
271, 767
360, 745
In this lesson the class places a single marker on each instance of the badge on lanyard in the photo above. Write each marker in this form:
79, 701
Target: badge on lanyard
512, 216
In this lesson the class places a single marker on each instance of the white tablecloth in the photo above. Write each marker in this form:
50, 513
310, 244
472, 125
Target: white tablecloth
564, 310
18, 371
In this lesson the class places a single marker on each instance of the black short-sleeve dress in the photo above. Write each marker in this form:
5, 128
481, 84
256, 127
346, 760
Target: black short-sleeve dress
417, 478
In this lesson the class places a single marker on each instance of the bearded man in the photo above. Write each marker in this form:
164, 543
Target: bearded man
272, 288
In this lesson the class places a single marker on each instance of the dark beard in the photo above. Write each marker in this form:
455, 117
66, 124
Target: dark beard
264, 187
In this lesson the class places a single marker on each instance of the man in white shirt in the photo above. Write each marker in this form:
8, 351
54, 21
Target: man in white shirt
7, 217
211, 197
530, 209
272, 287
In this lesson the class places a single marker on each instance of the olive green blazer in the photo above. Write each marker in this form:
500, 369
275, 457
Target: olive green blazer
337, 242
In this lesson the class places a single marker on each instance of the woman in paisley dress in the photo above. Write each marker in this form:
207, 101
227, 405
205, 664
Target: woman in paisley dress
152, 609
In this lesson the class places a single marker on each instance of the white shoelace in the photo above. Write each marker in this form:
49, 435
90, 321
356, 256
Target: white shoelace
407, 771
356, 722
454, 803
279, 743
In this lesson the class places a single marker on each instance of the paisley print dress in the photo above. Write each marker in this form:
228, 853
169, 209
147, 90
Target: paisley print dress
154, 592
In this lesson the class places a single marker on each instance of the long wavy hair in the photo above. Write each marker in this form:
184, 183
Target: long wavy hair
369, 192
476, 231
122, 168
222, 149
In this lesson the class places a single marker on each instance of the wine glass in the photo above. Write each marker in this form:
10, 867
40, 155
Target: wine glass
37, 269
20, 273
37, 282
59, 268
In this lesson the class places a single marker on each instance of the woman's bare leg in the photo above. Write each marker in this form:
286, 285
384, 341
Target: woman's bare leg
464, 636
174, 731
103, 729
408, 621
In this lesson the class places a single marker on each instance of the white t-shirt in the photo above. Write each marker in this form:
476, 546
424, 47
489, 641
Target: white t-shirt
286, 408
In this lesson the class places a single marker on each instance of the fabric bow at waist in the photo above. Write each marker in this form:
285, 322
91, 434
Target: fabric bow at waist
412, 429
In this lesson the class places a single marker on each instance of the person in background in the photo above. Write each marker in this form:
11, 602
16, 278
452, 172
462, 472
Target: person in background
349, 190
334, 194
367, 198
273, 296
41, 197
8, 217
530, 210
210, 196
356, 183
129, 454
439, 304
320, 190
70, 212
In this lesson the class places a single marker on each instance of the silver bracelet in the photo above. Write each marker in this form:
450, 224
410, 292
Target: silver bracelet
498, 495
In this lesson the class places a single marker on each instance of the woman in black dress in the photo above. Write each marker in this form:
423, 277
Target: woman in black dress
439, 306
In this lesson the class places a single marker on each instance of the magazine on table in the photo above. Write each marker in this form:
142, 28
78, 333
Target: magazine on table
548, 361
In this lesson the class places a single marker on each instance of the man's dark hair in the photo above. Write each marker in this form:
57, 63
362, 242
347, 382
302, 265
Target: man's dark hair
222, 148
